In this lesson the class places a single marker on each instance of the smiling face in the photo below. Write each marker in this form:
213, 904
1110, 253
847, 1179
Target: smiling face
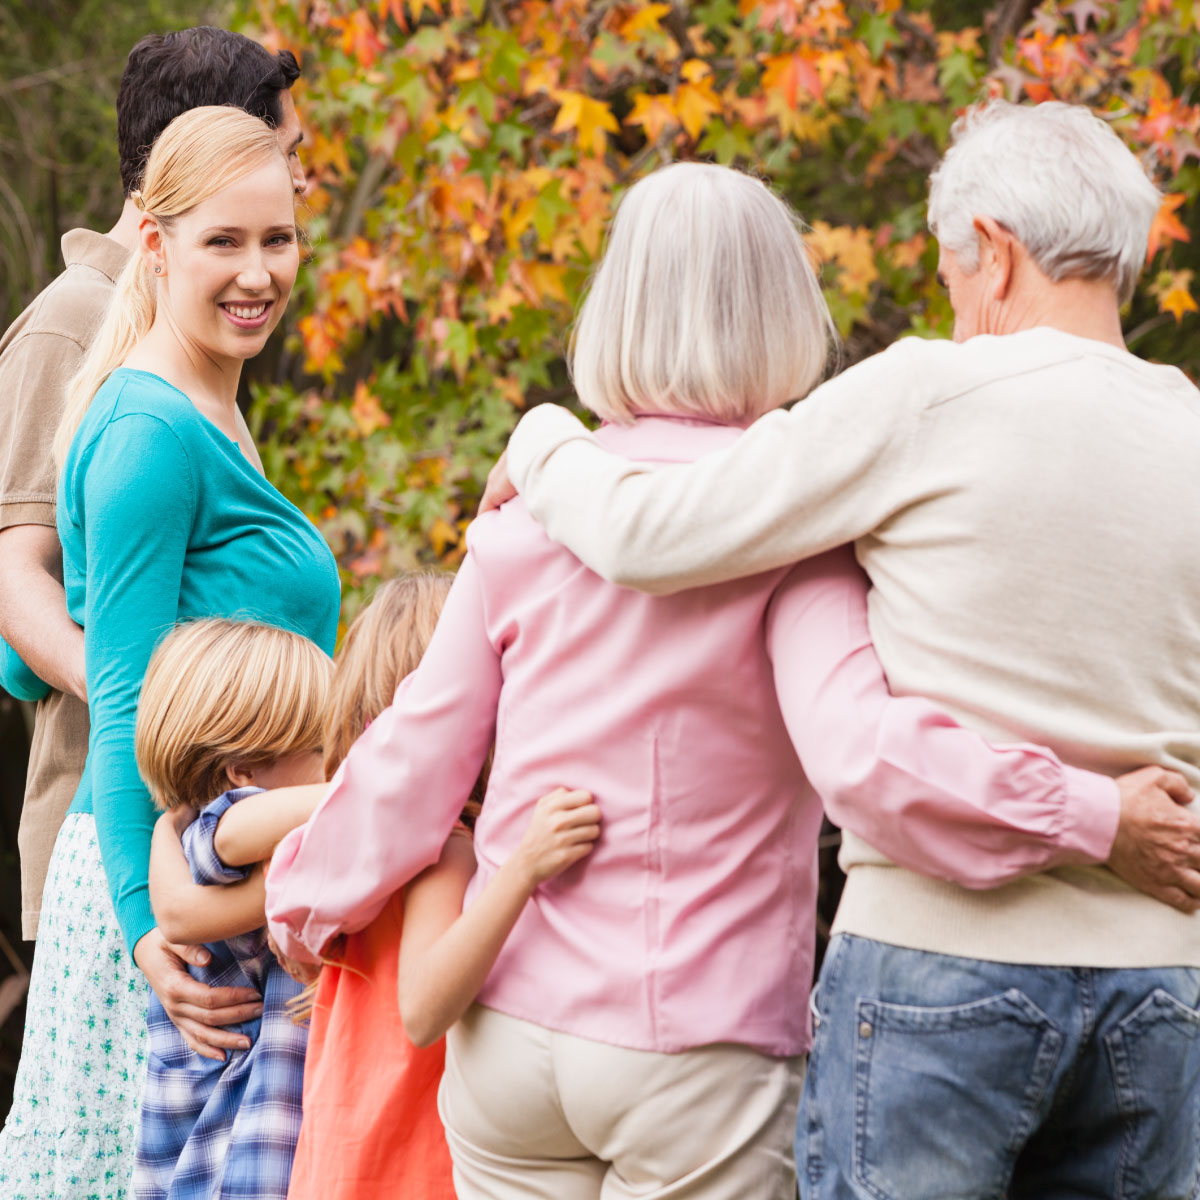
227, 267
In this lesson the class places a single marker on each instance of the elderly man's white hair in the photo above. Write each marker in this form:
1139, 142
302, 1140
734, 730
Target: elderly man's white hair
1058, 178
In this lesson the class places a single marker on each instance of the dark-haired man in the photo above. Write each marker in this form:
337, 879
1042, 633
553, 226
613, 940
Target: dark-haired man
165, 75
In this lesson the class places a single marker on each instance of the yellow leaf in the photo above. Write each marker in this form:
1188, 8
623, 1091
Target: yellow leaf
520, 220
695, 103
547, 278
592, 118
499, 306
1174, 293
851, 250
645, 20
591, 234
441, 535
540, 76
694, 70
653, 114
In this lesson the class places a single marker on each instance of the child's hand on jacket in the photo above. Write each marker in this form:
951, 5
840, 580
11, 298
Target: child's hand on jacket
563, 829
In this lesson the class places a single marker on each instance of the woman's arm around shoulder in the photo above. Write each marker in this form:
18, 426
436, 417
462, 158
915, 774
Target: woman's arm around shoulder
826, 471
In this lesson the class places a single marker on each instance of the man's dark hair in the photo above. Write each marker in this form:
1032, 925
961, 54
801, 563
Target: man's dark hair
169, 73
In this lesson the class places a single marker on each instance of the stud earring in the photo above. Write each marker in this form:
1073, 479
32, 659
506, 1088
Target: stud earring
158, 270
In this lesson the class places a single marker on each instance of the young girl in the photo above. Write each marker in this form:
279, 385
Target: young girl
370, 1120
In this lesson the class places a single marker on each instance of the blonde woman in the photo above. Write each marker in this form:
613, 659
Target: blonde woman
642, 1031
163, 515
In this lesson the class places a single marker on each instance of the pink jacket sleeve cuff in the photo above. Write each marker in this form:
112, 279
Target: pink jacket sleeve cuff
1091, 812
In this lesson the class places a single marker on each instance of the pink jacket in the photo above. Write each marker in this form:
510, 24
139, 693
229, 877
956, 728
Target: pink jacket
692, 920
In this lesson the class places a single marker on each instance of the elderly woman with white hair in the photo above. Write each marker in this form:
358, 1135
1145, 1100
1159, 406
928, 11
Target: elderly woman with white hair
1025, 502
641, 1033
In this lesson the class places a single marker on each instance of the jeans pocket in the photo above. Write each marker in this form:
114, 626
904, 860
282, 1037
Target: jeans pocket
1155, 1057
945, 1097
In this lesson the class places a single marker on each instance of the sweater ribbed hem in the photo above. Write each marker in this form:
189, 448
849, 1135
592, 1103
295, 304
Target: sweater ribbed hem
1069, 917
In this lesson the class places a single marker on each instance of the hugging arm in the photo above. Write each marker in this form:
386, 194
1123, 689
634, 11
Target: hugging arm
135, 550
446, 953
250, 830
34, 371
795, 483
395, 798
187, 911
902, 774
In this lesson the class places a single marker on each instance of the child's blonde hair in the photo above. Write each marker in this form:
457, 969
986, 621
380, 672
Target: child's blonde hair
218, 692
384, 643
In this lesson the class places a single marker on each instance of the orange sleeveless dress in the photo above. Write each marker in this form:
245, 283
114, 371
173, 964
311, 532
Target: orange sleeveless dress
371, 1129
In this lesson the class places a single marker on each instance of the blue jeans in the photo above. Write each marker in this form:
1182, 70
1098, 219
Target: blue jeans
941, 1078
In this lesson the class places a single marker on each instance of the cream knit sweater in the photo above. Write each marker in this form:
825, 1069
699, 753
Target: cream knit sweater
1028, 510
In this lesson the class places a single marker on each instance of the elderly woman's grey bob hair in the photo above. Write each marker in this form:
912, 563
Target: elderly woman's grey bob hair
1058, 178
705, 303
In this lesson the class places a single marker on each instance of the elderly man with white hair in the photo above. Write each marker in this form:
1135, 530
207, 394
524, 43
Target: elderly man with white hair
1026, 503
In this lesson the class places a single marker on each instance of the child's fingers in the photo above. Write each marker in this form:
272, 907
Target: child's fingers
563, 799
588, 814
586, 832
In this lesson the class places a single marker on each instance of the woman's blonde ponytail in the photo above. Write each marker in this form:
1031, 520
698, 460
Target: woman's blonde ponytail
198, 154
129, 317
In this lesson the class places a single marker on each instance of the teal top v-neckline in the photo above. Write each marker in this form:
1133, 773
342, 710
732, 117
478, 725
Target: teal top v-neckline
163, 519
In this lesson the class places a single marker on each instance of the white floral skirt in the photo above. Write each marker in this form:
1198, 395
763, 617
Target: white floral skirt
72, 1131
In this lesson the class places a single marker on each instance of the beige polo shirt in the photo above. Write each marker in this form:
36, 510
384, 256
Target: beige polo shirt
38, 355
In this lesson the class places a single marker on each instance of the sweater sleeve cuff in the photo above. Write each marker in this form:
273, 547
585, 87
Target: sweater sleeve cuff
538, 434
17, 679
1091, 813
136, 917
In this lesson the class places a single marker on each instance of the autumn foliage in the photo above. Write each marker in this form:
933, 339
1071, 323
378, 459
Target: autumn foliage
466, 156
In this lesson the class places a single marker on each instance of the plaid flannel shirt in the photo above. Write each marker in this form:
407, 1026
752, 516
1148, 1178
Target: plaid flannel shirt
223, 1130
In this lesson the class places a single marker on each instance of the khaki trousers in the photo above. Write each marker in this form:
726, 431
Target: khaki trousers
531, 1114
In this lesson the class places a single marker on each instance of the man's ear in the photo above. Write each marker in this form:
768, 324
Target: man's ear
997, 255
150, 245
239, 774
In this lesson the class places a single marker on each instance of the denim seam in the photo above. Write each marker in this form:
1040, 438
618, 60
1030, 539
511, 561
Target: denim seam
827, 984
1117, 1044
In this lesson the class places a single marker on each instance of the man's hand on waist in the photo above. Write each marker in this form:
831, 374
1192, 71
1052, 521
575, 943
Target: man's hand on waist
1157, 847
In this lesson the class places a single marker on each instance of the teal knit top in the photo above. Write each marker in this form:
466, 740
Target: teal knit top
162, 519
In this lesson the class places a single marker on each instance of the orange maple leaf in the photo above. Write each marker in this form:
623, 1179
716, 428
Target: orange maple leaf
790, 74
653, 113
360, 38
367, 412
1167, 227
